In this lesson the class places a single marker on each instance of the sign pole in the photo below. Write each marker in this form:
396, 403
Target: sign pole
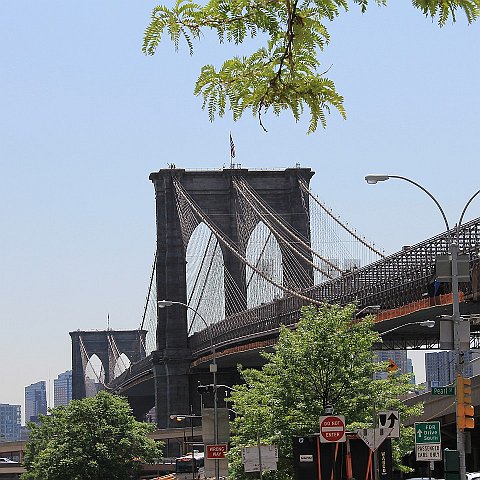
259, 455
375, 454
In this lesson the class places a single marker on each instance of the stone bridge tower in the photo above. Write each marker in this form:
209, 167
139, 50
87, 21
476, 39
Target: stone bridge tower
85, 344
214, 193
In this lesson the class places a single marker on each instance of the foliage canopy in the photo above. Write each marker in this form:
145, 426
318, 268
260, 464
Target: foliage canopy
94, 438
327, 360
285, 73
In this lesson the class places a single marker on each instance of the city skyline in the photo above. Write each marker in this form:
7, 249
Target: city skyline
86, 118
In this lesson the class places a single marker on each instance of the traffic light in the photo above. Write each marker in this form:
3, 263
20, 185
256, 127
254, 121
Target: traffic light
465, 410
203, 389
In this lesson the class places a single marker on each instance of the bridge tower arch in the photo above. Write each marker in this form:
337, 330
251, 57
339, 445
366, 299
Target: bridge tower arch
214, 193
107, 345
259, 290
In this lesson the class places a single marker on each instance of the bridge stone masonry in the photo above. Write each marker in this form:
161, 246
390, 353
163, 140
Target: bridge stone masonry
231, 203
211, 192
107, 345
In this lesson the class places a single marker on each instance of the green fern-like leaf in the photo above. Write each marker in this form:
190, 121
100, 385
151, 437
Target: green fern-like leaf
282, 74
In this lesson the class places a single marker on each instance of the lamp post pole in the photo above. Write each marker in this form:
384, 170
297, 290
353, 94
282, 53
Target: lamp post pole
456, 318
213, 370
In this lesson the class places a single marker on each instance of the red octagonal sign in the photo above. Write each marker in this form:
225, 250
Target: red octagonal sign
332, 429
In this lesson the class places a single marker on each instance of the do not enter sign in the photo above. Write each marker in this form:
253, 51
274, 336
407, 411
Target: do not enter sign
332, 429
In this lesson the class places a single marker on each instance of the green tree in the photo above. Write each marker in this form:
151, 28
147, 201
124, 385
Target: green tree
285, 73
327, 360
94, 438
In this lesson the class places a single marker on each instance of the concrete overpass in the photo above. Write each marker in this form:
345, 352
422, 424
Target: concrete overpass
442, 408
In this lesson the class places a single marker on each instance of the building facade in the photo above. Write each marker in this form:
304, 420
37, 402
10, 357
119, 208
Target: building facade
62, 389
35, 401
440, 367
10, 422
397, 358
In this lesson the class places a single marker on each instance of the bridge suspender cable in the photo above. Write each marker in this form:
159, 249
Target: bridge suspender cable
241, 187
231, 246
149, 290
200, 297
304, 187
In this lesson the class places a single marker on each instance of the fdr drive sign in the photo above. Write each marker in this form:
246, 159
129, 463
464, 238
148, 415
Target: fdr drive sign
332, 429
428, 441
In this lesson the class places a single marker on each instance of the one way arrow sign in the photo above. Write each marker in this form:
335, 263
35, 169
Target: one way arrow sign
390, 419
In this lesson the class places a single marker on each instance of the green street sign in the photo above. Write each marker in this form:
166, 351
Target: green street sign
443, 390
427, 432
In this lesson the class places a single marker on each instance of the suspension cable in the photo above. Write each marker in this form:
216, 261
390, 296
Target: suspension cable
304, 186
230, 245
289, 231
149, 289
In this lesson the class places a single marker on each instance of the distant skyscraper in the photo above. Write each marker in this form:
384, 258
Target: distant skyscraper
10, 422
399, 357
440, 367
62, 389
35, 401
410, 369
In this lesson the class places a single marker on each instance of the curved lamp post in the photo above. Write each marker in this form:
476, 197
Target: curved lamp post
425, 323
213, 369
456, 318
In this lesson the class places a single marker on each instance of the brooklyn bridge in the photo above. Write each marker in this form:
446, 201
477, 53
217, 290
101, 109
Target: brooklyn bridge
239, 252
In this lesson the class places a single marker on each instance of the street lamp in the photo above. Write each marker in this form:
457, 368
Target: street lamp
213, 370
425, 323
456, 318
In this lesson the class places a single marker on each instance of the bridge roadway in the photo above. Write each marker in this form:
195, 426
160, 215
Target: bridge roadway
402, 285
244, 349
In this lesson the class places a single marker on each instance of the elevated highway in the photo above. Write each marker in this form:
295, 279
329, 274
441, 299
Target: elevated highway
442, 408
231, 203
402, 285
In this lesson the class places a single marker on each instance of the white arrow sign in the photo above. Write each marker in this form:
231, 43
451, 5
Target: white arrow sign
390, 419
373, 437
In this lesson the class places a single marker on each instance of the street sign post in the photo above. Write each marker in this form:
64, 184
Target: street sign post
332, 429
261, 457
428, 441
443, 390
390, 419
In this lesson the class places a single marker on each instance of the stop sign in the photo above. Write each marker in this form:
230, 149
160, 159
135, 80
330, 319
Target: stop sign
332, 429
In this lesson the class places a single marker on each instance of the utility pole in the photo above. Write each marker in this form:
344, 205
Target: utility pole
458, 331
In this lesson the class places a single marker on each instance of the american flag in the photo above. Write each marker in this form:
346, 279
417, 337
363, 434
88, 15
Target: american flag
232, 147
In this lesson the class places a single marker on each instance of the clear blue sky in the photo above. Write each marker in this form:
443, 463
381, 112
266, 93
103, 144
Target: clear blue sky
85, 117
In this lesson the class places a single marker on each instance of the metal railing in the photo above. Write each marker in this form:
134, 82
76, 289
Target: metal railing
392, 282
